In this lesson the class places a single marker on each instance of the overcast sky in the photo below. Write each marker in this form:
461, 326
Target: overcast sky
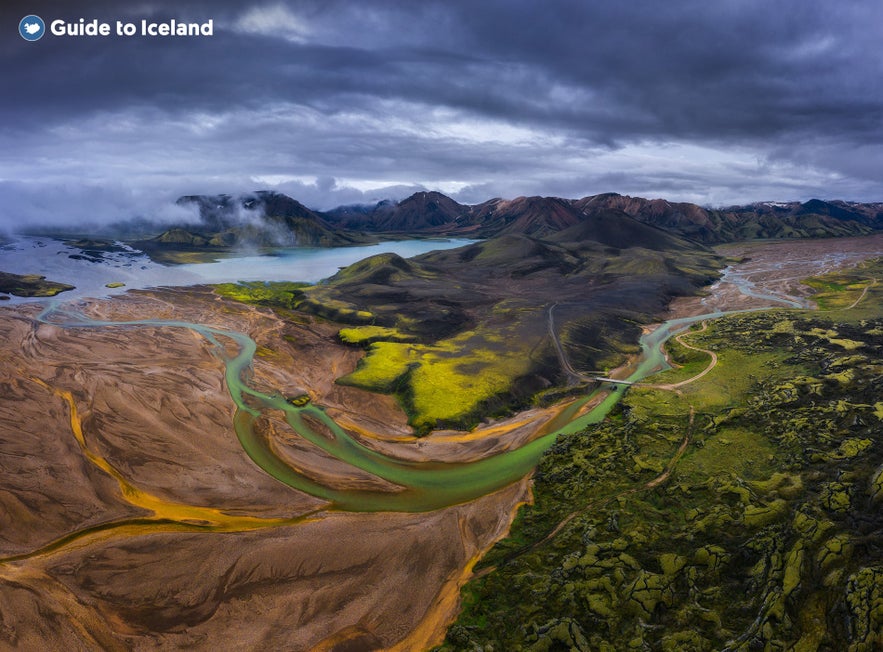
335, 102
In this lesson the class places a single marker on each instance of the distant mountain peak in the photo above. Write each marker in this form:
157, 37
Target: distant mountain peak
429, 212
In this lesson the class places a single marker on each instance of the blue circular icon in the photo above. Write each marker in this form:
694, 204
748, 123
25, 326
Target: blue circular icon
32, 28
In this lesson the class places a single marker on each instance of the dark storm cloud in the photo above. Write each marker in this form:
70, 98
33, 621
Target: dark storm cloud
711, 102
609, 71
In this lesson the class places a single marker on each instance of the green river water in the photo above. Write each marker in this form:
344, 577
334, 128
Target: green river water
423, 486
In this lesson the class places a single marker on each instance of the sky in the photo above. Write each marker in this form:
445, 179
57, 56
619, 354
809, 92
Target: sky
334, 102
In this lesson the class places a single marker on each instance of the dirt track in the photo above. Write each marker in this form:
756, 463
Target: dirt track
711, 363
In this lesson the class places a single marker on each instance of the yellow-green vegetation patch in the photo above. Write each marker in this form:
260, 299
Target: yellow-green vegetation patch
383, 367
446, 388
840, 290
758, 516
783, 326
283, 294
732, 450
115, 284
834, 551
729, 381
362, 335
833, 337
265, 352
646, 405
849, 345
333, 309
851, 448
786, 485
835, 497
442, 383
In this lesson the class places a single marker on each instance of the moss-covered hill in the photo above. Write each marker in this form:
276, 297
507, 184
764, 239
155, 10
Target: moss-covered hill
463, 334
767, 534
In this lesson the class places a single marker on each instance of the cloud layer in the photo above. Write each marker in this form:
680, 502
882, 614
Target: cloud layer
337, 102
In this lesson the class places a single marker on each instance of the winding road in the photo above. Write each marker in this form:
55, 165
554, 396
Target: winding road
711, 364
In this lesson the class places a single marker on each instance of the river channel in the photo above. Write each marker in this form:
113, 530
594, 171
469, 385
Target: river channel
422, 486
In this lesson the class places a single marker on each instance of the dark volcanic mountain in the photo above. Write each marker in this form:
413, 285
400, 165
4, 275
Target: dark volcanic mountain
434, 213
264, 219
815, 218
421, 212
220, 212
614, 228
685, 219
483, 313
534, 216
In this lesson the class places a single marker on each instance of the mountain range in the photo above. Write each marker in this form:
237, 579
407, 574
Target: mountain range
266, 219
433, 212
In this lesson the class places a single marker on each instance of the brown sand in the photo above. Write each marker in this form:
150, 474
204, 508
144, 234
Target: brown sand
131, 517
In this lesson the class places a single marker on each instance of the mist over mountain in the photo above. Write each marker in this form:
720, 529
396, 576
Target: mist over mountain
107, 209
267, 218
255, 220
261, 219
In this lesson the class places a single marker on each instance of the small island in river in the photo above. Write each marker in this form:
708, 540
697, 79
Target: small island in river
30, 285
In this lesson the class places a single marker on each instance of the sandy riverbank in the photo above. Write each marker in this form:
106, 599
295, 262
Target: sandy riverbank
133, 518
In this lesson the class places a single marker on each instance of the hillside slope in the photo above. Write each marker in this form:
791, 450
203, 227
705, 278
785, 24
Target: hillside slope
434, 213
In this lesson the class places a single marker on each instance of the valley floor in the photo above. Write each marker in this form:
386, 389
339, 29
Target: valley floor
132, 517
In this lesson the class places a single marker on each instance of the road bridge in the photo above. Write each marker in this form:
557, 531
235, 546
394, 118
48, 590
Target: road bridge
615, 381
